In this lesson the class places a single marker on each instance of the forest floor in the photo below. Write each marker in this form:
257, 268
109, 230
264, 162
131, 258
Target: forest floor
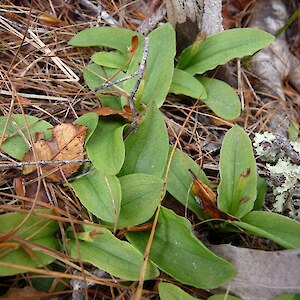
41, 76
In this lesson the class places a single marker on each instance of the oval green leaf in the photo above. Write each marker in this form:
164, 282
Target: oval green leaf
180, 179
160, 66
108, 253
95, 75
221, 98
177, 252
100, 194
237, 189
169, 291
261, 193
37, 229
282, 230
112, 37
90, 120
147, 150
106, 147
184, 83
112, 59
14, 144
220, 48
140, 196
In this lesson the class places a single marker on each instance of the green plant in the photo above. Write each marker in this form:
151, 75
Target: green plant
160, 77
26, 246
238, 191
128, 177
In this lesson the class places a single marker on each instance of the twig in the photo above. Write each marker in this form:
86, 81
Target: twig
150, 23
43, 162
107, 84
141, 72
111, 83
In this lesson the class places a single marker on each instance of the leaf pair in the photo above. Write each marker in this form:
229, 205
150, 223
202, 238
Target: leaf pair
131, 197
126, 201
128, 176
238, 191
159, 70
27, 246
119, 258
197, 59
206, 55
110, 155
175, 250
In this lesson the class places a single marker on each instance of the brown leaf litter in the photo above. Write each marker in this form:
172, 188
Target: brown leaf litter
66, 144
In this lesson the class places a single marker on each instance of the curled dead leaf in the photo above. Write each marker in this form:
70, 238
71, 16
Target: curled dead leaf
66, 144
134, 44
207, 199
108, 111
19, 186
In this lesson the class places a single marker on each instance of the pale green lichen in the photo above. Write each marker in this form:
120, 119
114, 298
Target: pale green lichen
280, 164
296, 146
261, 142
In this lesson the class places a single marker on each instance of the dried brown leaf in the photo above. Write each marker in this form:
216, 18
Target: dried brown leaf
19, 186
207, 199
134, 44
66, 144
108, 111
261, 274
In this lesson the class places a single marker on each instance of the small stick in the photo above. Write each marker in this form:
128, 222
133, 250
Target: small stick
149, 24
111, 83
107, 84
43, 162
141, 72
